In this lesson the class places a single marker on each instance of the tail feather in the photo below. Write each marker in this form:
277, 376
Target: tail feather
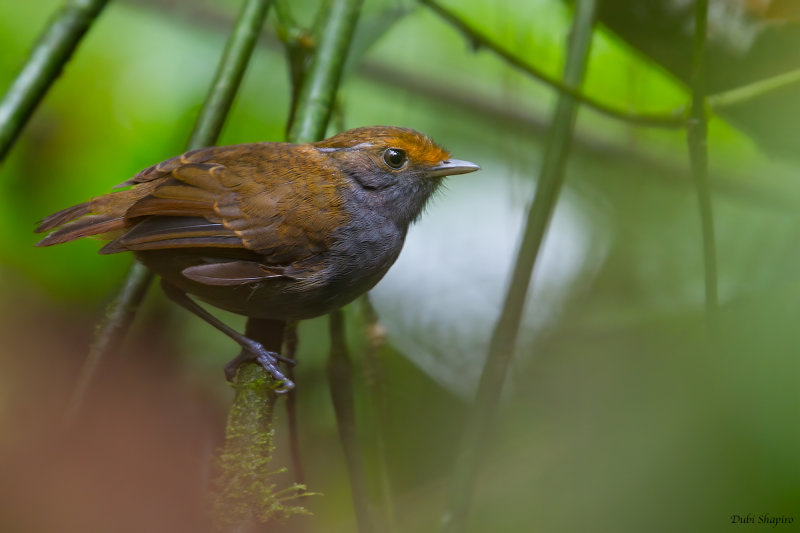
63, 216
83, 227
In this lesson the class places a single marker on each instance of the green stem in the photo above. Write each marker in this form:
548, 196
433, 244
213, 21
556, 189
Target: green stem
503, 341
298, 45
697, 133
121, 312
673, 119
110, 332
314, 107
47, 59
290, 346
340, 378
325, 71
745, 93
229, 74
374, 356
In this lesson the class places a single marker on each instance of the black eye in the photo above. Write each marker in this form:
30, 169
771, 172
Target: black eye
395, 157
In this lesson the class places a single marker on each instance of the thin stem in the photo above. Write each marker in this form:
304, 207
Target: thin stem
340, 378
697, 133
229, 74
504, 336
324, 73
47, 58
298, 44
314, 106
373, 371
745, 93
118, 319
672, 119
290, 351
110, 332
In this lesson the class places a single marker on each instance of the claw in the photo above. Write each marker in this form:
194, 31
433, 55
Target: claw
268, 360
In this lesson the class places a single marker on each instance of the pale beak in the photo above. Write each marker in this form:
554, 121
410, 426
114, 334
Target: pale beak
451, 167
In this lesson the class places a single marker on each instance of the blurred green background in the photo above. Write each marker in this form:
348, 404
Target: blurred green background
621, 413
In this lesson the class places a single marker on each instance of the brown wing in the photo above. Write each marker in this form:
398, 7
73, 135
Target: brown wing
276, 199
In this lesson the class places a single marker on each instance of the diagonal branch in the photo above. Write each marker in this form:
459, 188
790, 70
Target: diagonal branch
229, 74
47, 58
504, 336
673, 119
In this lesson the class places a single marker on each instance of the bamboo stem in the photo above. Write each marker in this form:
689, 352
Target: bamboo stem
54, 48
374, 356
117, 320
290, 343
697, 133
314, 108
503, 341
325, 71
230, 72
340, 377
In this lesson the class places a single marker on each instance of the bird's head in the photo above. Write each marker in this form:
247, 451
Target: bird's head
392, 169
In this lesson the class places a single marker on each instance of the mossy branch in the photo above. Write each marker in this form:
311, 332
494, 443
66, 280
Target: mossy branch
244, 495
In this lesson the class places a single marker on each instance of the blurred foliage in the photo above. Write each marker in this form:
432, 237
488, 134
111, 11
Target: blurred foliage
621, 415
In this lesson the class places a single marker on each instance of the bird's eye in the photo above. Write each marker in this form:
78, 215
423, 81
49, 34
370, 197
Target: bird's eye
395, 157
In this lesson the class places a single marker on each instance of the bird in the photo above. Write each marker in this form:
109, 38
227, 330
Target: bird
268, 230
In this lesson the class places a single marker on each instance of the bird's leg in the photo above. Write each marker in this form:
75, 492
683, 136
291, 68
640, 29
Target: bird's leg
269, 333
251, 349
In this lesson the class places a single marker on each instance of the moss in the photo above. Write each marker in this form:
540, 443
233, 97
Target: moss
245, 494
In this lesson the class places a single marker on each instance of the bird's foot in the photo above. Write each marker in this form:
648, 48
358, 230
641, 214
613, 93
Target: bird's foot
267, 359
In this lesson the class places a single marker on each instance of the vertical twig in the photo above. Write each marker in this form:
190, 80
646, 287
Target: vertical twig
373, 371
299, 46
340, 377
120, 314
47, 59
504, 336
314, 106
697, 132
324, 73
290, 351
230, 72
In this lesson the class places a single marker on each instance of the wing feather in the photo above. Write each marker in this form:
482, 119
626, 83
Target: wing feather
277, 200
